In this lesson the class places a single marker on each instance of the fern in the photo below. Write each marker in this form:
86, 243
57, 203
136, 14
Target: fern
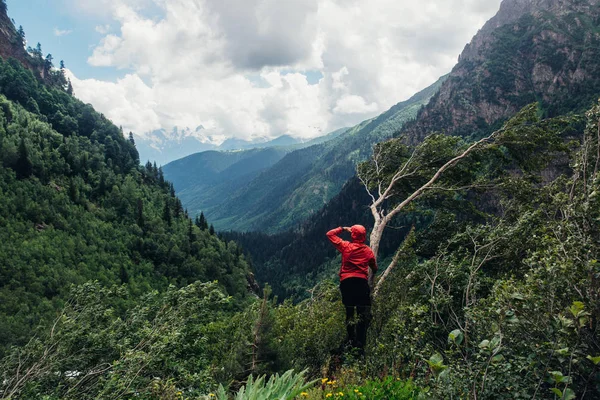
284, 387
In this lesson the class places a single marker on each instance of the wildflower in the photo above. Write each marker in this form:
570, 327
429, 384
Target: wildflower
355, 390
304, 394
328, 395
341, 394
324, 380
211, 395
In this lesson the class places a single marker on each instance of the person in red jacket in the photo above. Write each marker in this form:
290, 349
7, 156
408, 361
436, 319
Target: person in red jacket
357, 258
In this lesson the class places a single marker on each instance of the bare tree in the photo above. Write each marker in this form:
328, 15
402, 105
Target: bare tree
386, 191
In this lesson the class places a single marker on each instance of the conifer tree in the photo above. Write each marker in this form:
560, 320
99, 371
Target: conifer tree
23, 167
212, 229
48, 65
140, 213
191, 235
21, 33
167, 213
202, 223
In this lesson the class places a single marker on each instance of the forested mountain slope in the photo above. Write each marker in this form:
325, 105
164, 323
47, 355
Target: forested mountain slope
532, 50
76, 206
204, 179
303, 181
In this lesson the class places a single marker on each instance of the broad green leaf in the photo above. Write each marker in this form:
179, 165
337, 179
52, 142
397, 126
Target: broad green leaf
562, 352
595, 360
456, 337
577, 308
484, 344
495, 342
568, 394
556, 376
436, 359
557, 392
498, 358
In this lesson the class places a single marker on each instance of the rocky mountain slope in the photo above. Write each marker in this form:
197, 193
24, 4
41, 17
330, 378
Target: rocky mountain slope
532, 50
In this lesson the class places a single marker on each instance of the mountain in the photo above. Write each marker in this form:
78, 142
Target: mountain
162, 146
76, 206
301, 182
202, 180
543, 50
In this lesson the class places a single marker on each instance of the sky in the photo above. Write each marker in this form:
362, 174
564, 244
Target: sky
250, 69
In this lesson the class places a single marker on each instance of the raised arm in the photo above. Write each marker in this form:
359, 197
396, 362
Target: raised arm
337, 241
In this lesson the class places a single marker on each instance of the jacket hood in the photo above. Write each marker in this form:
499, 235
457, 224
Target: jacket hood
359, 234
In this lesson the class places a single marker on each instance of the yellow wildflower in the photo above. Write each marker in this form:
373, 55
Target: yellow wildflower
355, 390
304, 394
328, 395
324, 380
340, 393
211, 395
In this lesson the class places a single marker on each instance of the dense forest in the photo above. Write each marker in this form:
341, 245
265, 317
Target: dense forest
77, 206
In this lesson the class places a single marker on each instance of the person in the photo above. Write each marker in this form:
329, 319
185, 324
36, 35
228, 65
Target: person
357, 258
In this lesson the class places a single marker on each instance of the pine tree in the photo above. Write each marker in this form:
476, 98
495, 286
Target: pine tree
69, 87
167, 213
73, 190
131, 139
48, 65
21, 33
202, 223
23, 167
37, 52
212, 229
191, 235
178, 209
140, 213
161, 177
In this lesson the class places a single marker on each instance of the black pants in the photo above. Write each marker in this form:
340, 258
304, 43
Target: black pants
356, 296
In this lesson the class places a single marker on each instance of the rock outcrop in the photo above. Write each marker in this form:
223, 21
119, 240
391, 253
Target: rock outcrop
532, 50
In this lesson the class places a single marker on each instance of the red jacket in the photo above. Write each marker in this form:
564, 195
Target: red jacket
357, 257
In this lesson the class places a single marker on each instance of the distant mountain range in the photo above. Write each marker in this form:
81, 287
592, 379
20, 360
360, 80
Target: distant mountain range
282, 187
165, 146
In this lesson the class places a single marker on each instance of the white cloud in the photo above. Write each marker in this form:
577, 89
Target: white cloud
103, 29
62, 32
352, 104
236, 66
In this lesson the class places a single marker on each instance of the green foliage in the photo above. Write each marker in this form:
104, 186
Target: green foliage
157, 346
306, 334
513, 296
388, 388
75, 206
284, 387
